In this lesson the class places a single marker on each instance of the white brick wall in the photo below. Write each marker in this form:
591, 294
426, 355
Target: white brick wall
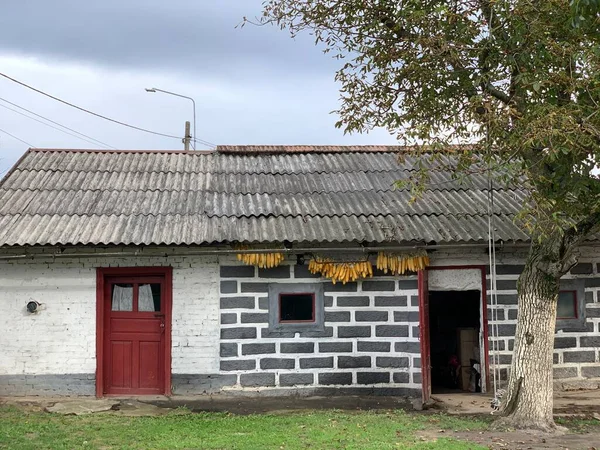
61, 338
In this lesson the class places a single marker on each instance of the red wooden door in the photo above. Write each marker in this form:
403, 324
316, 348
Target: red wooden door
134, 335
424, 333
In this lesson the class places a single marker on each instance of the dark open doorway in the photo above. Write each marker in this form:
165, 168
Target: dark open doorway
454, 330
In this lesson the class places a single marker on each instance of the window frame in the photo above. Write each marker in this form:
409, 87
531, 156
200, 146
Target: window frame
276, 290
576, 323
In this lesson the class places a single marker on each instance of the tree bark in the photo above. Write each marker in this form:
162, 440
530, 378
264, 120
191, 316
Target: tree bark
528, 401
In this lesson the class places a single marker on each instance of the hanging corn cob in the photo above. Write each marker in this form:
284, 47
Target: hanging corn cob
340, 271
261, 260
397, 264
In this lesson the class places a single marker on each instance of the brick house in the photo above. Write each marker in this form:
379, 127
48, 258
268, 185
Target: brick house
118, 275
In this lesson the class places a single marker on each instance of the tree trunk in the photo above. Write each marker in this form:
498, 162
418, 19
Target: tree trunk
528, 402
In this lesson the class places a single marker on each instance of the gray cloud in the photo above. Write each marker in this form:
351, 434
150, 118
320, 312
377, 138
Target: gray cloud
183, 35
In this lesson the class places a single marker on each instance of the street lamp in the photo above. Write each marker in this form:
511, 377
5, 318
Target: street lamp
182, 96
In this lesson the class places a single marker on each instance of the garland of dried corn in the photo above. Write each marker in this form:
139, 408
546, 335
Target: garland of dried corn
261, 260
399, 264
340, 271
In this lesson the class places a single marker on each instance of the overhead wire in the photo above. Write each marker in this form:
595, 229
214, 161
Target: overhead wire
17, 138
87, 111
88, 139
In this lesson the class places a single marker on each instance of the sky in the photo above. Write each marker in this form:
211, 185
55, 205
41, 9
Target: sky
251, 85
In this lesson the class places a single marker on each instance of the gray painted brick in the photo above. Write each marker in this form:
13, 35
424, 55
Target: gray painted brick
267, 333
228, 287
511, 345
401, 377
406, 316
415, 332
236, 271
590, 372
255, 287
275, 272
257, 379
339, 287
228, 319
593, 282
372, 377
414, 300
498, 345
316, 363
565, 372
303, 272
407, 347
369, 346
335, 347
229, 349
589, 297
371, 316
325, 332
506, 329
508, 299
565, 342
263, 303
505, 285
237, 302
327, 301
352, 362
391, 331
353, 301
293, 379
417, 363
512, 314
238, 364
508, 269
238, 333
255, 317
257, 349
589, 341
277, 363
400, 300
504, 359
555, 358
378, 285
582, 269
592, 312
407, 285
297, 347
391, 362
337, 316
416, 377
335, 378
589, 356
350, 332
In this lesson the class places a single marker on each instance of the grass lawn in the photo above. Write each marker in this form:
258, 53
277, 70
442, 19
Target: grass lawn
181, 429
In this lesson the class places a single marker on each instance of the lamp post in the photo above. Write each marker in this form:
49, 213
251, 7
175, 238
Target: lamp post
182, 96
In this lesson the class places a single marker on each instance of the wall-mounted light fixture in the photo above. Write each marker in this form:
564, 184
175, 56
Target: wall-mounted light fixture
33, 306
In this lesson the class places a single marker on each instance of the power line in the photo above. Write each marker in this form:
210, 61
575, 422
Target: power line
18, 139
88, 111
88, 139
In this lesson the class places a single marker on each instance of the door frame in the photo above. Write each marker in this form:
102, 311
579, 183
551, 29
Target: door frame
424, 324
104, 272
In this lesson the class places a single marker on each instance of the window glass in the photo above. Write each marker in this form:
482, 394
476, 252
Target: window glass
122, 297
567, 305
149, 297
297, 307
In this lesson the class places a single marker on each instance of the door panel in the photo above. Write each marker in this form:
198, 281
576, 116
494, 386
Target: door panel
424, 333
134, 335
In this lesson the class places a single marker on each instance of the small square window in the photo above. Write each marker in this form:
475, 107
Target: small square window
296, 308
567, 305
570, 310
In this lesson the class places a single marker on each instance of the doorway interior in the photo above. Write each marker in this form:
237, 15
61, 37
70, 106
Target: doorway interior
454, 333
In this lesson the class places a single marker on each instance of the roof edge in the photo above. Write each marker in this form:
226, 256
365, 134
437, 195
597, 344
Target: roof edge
299, 149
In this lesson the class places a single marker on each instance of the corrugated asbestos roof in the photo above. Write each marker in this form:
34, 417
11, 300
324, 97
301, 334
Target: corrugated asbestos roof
243, 194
